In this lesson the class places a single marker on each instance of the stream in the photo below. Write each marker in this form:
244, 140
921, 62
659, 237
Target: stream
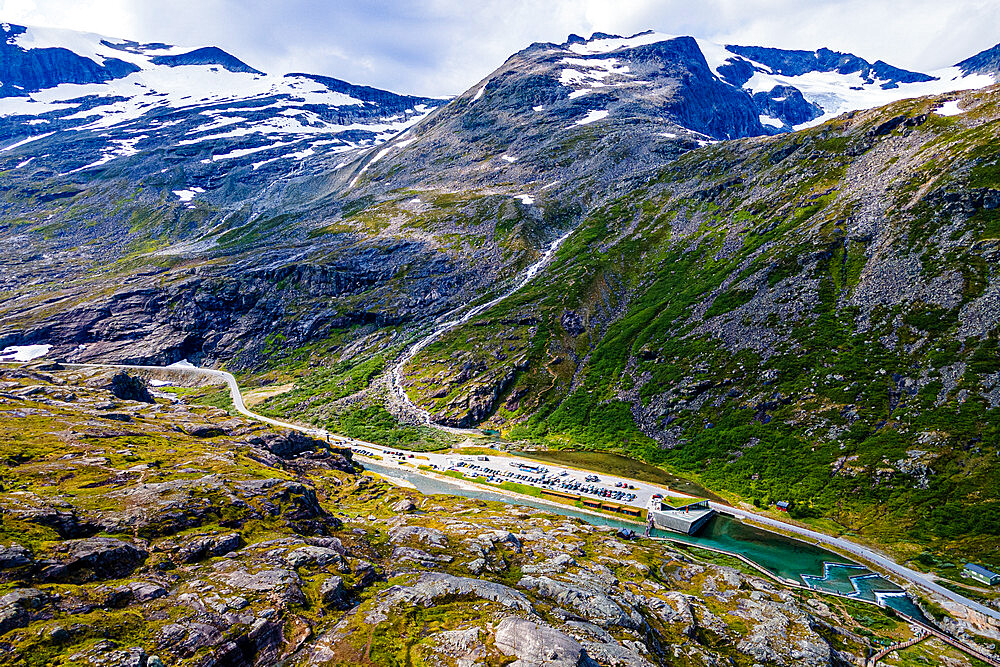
787, 558
452, 320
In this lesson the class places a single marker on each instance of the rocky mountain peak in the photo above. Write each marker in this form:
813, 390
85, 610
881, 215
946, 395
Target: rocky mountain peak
986, 62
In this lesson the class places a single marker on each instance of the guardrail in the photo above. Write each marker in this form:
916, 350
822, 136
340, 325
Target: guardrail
873, 661
928, 629
241, 407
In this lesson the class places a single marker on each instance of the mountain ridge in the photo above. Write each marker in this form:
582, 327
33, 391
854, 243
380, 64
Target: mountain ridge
336, 260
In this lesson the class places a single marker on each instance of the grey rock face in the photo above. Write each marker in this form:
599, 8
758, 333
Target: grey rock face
209, 55
401, 555
130, 388
333, 593
288, 444
283, 584
572, 323
786, 104
795, 63
552, 565
421, 534
144, 591
208, 546
588, 601
432, 585
538, 645
16, 607
403, 506
14, 556
314, 556
984, 62
25, 71
97, 558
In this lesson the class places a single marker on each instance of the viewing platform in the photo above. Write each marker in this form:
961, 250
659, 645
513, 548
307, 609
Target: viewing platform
685, 516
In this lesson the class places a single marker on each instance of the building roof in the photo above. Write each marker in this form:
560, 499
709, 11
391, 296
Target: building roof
979, 569
680, 503
783, 503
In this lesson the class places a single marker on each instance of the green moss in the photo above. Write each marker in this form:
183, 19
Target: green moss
728, 301
219, 398
933, 319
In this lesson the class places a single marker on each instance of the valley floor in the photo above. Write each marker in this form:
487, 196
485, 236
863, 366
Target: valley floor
434, 463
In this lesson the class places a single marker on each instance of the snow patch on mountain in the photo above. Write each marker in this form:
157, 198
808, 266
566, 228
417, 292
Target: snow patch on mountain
792, 89
837, 93
949, 109
600, 44
184, 96
592, 116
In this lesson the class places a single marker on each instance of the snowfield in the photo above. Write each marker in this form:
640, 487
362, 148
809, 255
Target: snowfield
24, 352
833, 92
593, 116
227, 102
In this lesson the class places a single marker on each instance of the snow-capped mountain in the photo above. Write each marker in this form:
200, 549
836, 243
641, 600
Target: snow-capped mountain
790, 89
120, 97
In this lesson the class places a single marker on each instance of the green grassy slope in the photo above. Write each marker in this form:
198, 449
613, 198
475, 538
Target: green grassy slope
809, 317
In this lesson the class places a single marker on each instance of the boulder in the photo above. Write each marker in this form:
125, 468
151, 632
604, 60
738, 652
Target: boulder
208, 546
538, 645
146, 591
404, 505
118, 598
64, 522
14, 556
329, 543
289, 444
313, 556
502, 537
333, 594
131, 657
130, 388
265, 580
285, 585
16, 608
365, 574
97, 558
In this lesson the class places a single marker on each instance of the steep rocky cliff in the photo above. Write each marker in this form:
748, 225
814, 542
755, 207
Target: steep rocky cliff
805, 315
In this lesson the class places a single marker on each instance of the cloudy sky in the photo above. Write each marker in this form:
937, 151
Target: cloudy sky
442, 47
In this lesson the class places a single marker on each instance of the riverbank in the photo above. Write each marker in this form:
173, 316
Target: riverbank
865, 554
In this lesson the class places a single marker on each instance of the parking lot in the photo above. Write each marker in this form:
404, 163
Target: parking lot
543, 477
590, 487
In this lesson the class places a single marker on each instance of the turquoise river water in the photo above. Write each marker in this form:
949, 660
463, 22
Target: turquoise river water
785, 557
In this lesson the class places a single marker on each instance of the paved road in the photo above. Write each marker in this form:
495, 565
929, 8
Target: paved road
865, 554
234, 390
542, 475
852, 548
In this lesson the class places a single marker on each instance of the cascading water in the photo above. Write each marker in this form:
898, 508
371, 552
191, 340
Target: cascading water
452, 319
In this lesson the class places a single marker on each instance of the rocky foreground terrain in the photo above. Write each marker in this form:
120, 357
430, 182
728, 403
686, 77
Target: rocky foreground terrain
169, 533
809, 316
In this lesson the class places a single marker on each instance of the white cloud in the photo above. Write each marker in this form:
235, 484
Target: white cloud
439, 47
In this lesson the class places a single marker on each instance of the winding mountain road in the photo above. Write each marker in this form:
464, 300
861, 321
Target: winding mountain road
857, 550
863, 553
